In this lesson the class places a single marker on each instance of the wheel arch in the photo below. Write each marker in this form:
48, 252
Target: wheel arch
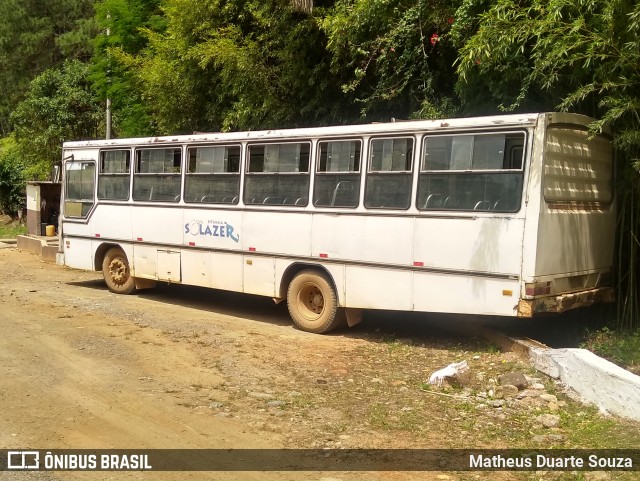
101, 251
292, 270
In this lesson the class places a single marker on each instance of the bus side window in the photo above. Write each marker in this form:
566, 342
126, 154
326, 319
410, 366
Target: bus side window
79, 188
481, 172
337, 181
113, 175
157, 175
213, 175
277, 174
388, 183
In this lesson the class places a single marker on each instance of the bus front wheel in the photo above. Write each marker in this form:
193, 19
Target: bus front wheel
312, 302
117, 275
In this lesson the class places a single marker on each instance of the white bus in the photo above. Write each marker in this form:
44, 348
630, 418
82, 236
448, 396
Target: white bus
509, 215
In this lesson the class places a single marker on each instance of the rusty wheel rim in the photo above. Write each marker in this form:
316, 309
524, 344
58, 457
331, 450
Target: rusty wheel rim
118, 271
311, 301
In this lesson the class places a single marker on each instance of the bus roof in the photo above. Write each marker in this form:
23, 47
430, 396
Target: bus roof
396, 127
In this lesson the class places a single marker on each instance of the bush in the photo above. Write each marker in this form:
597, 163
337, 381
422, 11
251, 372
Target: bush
11, 179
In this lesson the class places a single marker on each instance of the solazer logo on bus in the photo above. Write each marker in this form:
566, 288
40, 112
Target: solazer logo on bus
212, 228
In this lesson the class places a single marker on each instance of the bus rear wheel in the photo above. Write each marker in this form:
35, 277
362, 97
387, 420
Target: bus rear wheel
312, 302
117, 275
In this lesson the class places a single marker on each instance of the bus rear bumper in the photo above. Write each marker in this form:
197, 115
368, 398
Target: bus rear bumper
564, 302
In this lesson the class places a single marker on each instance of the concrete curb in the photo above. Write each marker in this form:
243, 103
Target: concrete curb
38, 246
595, 380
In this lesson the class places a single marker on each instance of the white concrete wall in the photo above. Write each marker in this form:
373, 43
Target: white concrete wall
613, 389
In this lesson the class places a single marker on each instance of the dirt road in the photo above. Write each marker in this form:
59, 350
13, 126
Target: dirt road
180, 367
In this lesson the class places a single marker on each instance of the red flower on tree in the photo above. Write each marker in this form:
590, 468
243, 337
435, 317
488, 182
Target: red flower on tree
434, 39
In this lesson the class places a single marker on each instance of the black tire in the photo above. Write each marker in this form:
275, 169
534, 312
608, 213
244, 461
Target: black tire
312, 302
117, 275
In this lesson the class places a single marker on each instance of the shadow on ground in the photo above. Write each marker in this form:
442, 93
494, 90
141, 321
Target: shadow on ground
561, 330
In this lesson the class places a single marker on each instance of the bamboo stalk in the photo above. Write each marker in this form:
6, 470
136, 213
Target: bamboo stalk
305, 6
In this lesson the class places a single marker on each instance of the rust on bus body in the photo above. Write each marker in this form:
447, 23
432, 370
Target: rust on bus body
564, 302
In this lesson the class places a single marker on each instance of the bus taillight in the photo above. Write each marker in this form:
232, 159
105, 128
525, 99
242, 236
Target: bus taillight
537, 288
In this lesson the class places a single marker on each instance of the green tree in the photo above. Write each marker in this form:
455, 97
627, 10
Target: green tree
122, 25
60, 105
562, 54
224, 65
394, 56
11, 177
37, 35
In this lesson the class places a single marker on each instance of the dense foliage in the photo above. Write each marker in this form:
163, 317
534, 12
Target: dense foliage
200, 65
237, 65
11, 178
394, 56
582, 56
121, 31
175, 66
35, 36
60, 105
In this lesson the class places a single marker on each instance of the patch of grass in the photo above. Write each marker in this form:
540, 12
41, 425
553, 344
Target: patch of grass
487, 347
587, 428
301, 402
620, 347
11, 231
379, 416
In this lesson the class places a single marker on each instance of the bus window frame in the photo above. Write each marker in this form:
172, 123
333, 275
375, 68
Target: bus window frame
128, 174
187, 159
80, 201
415, 143
136, 151
248, 174
319, 173
459, 172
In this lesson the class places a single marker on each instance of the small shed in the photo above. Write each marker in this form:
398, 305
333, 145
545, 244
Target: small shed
43, 206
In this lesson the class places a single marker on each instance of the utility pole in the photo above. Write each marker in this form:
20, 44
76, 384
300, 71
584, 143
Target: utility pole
108, 129
108, 118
